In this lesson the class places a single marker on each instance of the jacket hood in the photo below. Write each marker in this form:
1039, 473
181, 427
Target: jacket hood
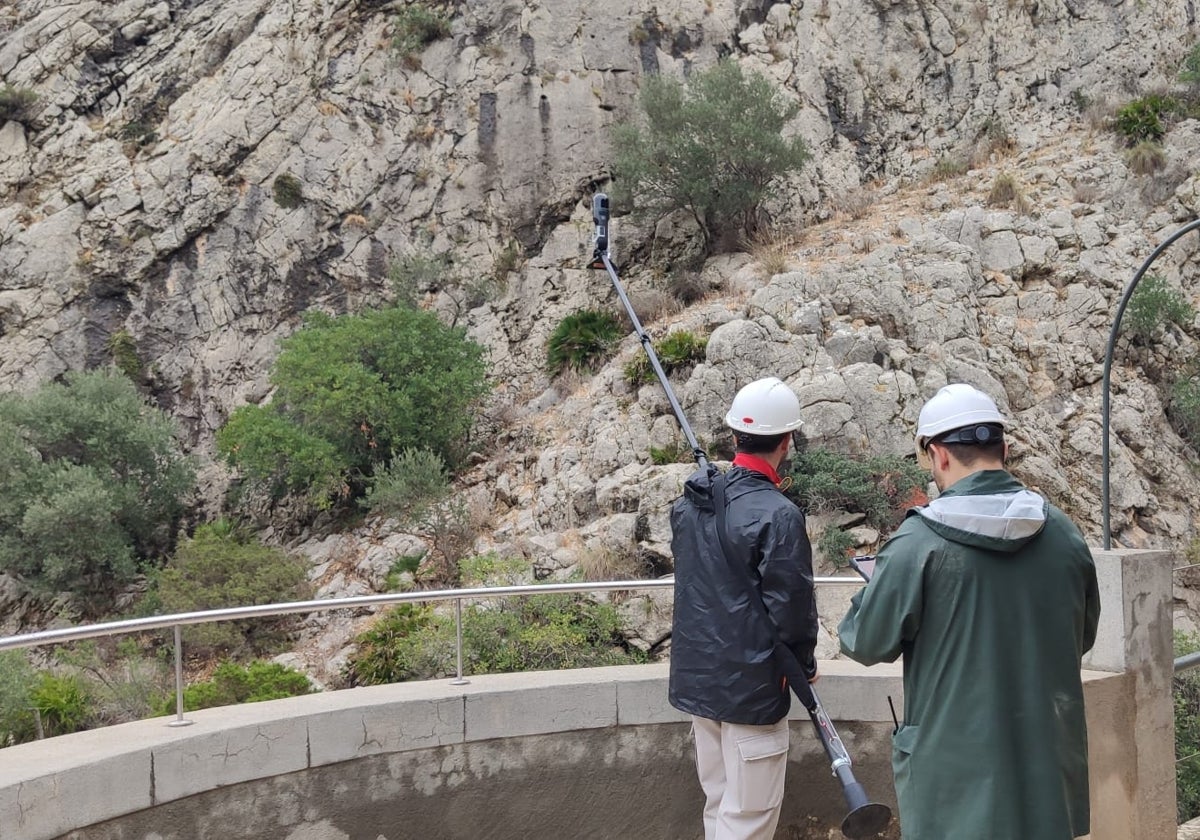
739, 480
988, 509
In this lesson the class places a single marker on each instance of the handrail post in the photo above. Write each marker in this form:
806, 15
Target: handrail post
179, 719
458, 680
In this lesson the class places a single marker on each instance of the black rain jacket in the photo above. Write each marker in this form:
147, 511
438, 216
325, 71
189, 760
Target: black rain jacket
722, 667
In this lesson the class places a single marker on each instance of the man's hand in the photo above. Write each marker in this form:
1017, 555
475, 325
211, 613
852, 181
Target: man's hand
813, 679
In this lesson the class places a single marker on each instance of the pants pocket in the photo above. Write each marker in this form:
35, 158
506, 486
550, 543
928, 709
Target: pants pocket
762, 766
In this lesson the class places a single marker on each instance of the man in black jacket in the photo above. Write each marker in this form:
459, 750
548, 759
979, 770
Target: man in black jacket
723, 671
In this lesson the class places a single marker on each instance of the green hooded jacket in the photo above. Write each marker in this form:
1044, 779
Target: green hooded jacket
989, 593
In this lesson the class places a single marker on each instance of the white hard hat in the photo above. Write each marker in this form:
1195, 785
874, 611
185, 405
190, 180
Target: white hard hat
764, 407
953, 407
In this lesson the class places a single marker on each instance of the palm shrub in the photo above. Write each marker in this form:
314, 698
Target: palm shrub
349, 392
1144, 119
715, 148
94, 481
582, 341
222, 566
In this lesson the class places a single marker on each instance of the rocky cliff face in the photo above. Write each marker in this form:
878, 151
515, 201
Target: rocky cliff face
139, 200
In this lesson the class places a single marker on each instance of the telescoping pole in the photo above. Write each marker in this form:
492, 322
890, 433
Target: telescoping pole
866, 818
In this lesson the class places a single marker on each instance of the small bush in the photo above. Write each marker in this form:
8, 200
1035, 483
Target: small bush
1007, 193
408, 485
834, 545
231, 684
289, 193
679, 454
1186, 695
686, 286
541, 632
123, 350
582, 341
1184, 410
139, 133
15, 103
676, 351
881, 487
1144, 119
414, 28
223, 567
948, 167
1189, 73
1146, 158
1153, 305
17, 682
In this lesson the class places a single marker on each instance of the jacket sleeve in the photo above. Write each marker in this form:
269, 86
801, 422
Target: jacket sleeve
1091, 612
785, 568
886, 613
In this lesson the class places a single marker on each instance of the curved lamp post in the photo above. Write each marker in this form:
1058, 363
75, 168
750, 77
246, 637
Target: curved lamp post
1108, 354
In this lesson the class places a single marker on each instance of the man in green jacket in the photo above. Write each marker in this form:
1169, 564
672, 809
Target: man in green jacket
989, 593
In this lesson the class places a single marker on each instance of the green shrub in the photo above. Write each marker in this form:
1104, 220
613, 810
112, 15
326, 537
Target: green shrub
541, 632
93, 482
881, 487
350, 392
678, 454
948, 167
1155, 303
834, 545
1143, 119
582, 341
123, 350
139, 133
677, 350
15, 103
414, 28
123, 682
715, 149
231, 684
289, 193
17, 682
408, 485
1189, 73
1186, 695
1184, 410
223, 567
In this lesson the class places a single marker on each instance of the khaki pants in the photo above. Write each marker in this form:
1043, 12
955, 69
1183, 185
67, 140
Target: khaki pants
741, 770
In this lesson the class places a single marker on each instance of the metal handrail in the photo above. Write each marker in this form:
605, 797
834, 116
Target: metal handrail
1187, 662
177, 620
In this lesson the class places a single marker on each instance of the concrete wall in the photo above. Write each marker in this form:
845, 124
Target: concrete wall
581, 754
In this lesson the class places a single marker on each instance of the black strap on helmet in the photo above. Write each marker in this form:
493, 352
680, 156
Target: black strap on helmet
980, 435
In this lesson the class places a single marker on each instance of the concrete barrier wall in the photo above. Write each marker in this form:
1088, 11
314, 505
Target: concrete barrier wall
583, 754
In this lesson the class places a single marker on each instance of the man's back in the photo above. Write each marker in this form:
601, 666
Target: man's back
722, 665
990, 595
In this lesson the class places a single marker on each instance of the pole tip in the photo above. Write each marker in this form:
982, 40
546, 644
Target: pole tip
866, 821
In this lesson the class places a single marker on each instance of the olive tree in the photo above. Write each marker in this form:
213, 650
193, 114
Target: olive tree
715, 148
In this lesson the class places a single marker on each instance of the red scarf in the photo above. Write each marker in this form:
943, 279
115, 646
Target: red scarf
753, 462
